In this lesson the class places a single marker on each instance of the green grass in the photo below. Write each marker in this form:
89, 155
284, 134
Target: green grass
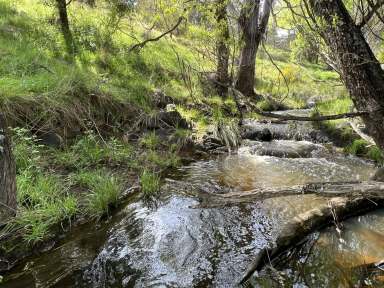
91, 150
103, 191
34, 71
150, 183
47, 197
361, 147
150, 140
302, 81
45, 201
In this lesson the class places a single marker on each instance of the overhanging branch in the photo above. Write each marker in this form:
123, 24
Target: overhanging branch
142, 44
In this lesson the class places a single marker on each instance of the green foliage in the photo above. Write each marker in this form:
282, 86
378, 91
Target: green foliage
45, 201
26, 149
103, 191
163, 160
265, 105
150, 140
91, 150
361, 147
376, 154
358, 147
150, 183
295, 83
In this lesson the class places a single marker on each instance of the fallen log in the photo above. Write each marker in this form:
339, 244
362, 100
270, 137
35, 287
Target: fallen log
368, 189
288, 117
342, 204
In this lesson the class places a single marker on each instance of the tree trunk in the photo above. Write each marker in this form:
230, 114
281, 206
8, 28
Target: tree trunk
64, 24
222, 49
248, 22
8, 202
253, 29
359, 68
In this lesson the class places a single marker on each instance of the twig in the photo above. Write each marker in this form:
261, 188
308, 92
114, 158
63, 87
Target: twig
142, 44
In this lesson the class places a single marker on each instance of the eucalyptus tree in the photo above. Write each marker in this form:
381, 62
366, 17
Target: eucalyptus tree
8, 202
64, 25
253, 22
357, 64
222, 47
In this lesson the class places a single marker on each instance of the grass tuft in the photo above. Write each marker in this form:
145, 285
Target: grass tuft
150, 183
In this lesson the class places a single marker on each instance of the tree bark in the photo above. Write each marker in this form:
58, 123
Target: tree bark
222, 49
64, 25
359, 68
8, 202
253, 28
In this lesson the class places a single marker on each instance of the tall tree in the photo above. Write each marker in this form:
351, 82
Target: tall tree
253, 23
222, 49
8, 203
358, 66
65, 29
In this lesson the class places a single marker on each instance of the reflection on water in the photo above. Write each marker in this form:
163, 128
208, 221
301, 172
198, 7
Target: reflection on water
353, 257
248, 170
179, 244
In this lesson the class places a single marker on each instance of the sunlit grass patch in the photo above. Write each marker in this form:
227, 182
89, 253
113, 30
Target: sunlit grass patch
44, 200
103, 190
150, 140
91, 150
150, 183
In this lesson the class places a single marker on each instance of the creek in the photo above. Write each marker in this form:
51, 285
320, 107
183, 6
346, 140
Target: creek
177, 242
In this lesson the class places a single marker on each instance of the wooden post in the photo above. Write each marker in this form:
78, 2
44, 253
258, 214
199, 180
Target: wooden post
8, 202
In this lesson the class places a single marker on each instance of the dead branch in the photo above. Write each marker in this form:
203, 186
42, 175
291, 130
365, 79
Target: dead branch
300, 118
140, 45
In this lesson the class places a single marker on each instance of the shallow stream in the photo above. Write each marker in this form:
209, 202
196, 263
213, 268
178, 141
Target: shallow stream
180, 243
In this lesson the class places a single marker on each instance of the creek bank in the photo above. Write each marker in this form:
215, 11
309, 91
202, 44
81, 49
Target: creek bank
138, 246
156, 146
130, 237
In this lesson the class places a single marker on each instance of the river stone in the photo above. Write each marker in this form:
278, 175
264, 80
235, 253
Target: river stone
166, 119
287, 149
51, 139
258, 135
160, 99
379, 175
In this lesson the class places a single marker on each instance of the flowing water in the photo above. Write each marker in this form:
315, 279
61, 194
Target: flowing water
180, 243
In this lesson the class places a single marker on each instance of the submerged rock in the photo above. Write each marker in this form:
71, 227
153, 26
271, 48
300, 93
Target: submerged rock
258, 135
287, 149
282, 130
379, 175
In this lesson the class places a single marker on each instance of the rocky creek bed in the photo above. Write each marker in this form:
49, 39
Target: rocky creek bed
181, 240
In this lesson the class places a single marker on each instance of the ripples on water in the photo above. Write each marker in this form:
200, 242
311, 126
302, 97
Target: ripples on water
178, 244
